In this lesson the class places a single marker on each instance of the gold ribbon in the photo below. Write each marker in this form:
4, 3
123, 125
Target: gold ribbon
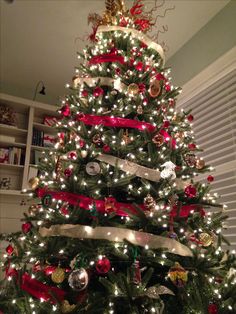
136, 34
131, 167
115, 234
108, 81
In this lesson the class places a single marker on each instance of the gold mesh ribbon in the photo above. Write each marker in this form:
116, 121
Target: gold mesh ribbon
115, 234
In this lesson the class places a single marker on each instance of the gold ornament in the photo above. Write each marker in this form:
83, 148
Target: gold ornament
133, 89
206, 239
33, 209
180, 135
149, 202
140, 109
200, 164
66, 307
155, 88
178, 275
126, 137
58, 275
97, 139
190, 160
158, 139
34, 182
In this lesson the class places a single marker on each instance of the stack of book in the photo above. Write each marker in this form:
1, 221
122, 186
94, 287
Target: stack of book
37, 138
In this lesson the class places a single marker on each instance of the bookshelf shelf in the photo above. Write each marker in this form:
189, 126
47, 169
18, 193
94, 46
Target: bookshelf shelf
45, 128
11, 144
10, 166
41, 148
11, 130
13, 192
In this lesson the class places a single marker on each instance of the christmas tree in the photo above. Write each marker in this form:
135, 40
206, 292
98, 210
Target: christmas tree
119, 225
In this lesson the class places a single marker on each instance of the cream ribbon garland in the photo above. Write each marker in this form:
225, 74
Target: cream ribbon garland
131, 167
136, 34
115, 234
93, 81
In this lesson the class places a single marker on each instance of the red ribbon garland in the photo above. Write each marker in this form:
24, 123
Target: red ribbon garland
87, 202
185, 210
40, 290
90, 119
107, 57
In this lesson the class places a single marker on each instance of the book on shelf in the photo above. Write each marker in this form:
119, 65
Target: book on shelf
37, 138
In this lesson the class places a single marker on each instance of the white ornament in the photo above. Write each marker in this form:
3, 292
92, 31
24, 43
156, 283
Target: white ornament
169, 170
84, 153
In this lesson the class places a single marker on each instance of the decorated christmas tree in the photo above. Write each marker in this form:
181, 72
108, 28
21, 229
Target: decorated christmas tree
119, 224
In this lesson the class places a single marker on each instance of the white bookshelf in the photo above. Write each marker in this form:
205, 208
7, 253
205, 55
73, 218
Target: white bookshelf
29, 115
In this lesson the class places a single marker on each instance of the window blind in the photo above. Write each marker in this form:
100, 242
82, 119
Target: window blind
214, 125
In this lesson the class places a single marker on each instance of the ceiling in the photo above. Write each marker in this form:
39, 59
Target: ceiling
39, 38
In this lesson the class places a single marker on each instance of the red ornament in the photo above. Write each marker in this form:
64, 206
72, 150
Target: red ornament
192, 146
26, 227
81, 143
212, 308
142, 88
131, 61
98, 91
9, 249
167, 87
68, 172
64, 211
190, 191
139, 66
103, 266
65, 110
166, 124
84, 93
190, 118
171, 102
106, 148
72, 155
118, 71
48, 270
210, 178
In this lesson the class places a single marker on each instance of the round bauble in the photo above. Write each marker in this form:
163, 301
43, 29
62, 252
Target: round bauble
97, 139
212, 308
190, 160
58, 275
133, 89
158, 139
68, 172
26, 227
190, 191
93, 168
103, 266
155, 88
78, 279
33, 183
205, 239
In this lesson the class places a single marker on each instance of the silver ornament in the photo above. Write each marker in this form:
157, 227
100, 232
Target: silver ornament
78, 279
93, 168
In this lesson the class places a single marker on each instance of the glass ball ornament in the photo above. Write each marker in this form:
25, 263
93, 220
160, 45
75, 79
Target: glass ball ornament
78, 279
